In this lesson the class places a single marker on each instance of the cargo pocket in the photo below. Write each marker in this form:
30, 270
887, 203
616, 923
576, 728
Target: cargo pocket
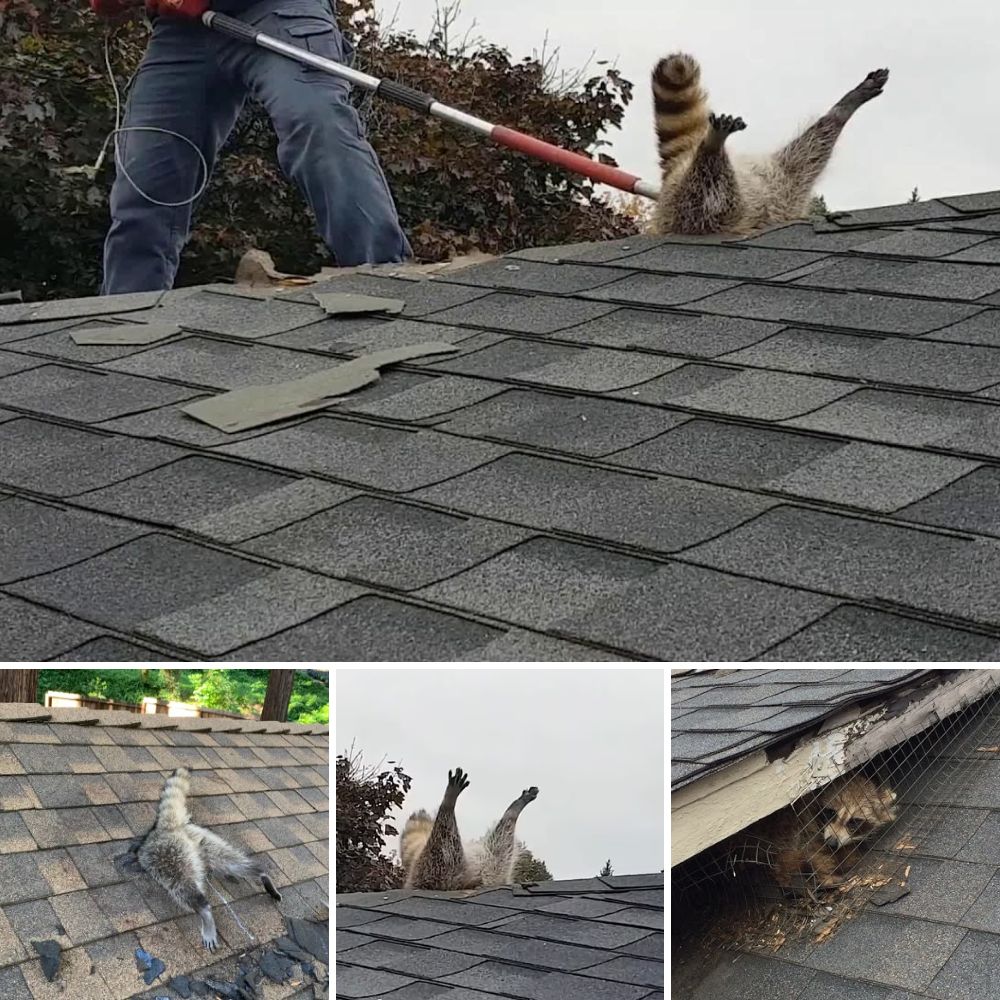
316, 34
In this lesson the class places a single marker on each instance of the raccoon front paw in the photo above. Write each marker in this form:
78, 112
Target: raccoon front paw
726, 124
873, 83
530, 794
458, 781
210, 941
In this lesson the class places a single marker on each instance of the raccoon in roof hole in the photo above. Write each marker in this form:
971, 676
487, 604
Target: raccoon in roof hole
703, 190
817, 845
435, 857
180, 856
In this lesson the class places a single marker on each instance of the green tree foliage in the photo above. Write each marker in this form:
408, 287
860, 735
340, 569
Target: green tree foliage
455, 191
528, 868
366, 797
226, 690
606, 870
817, 207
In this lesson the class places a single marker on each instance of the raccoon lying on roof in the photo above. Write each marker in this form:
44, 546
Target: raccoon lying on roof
180, 855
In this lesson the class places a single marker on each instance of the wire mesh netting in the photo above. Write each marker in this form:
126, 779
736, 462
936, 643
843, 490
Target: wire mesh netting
849, 841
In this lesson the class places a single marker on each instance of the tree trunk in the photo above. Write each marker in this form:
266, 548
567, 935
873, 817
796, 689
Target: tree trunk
279, 691
19, 685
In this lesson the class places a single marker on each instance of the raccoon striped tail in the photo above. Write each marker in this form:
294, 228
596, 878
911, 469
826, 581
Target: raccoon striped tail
172, 812
413, 838
680, 106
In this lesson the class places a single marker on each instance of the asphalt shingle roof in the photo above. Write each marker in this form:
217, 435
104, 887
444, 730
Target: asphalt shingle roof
592, 939
719, 716
78, 785
786, 446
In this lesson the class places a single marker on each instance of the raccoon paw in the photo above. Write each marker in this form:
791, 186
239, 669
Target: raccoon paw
726, 124
458, 781
210, 940
530, 794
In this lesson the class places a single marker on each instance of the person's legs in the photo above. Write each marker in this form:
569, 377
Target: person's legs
321, 143
179, 87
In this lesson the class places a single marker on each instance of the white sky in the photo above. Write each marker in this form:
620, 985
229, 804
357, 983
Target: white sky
779, 63
592, 740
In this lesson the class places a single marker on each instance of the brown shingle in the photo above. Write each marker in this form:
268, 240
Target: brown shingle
239, 757
320, 850
318, 824
144, 787
298, 863
11, 949
306, 755
74, 980
16, 794
9, 764
13, 986
134, 737
284, 831
242, 780
305, 777
111, 818
124, 905
58, 870
14, 834
26, 732
139, 816
208, 783
130, 759
20, 878
96, 862
318, 798
74, 735
170, 758
81, 916
114, 960
256, 805
168, 944
212, 809
62, 827
36, 921
40, 758
60, 790
290, 803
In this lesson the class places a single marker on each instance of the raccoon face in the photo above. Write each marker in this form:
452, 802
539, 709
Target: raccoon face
855, 813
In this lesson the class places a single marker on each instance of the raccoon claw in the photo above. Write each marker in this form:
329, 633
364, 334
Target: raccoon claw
458, 781
211, 943
726, 124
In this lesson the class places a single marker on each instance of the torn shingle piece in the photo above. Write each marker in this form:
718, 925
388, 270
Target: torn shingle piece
254, 406
346, 303
125, 333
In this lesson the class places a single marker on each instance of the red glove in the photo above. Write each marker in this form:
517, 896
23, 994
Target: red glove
178, 8
112, 9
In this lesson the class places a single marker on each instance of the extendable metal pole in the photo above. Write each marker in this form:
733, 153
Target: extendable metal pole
423, 103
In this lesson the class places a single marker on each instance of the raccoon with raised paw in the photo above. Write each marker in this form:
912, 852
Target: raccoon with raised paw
705, 191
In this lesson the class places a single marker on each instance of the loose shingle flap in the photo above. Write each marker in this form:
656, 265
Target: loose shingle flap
125, 333
254, 406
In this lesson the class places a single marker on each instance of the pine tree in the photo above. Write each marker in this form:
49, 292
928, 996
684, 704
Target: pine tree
606, 870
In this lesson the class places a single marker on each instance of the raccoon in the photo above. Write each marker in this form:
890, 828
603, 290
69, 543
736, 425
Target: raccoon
180, 855
703, 191
434, 856
817, 846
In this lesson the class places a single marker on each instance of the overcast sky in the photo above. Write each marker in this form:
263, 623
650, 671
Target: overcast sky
592, 740
778, 64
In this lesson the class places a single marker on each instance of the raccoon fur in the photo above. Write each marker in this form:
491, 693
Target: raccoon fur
705, 191
180, 856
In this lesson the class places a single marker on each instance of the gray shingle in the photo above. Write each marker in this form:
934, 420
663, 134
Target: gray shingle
235, 315
680, 333
28, 632
910, 952
60, 344
577, 425
863, 559
730, 454
501, 979
421, 297
907, 212
428, 963
450, 911
387, 458
219, 499
599, 252
619, 601
593, 933
537, 314
729, 260
920, 243
554, 495
374, 628
957, 368
107, 649
60, 461
762, 395
987, 252
383, 542
86, 395
62, 309
355, 982
879, 313
753, 977
802, 236
11, 363
43, 538
221, 364
972, 970
592, 369
185, 594
970, 504
984, 201
657, 289
983, 328
912, 420
425, 397
862, 635
929, 278
528, 951
941, 890
534, 276
628, 970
